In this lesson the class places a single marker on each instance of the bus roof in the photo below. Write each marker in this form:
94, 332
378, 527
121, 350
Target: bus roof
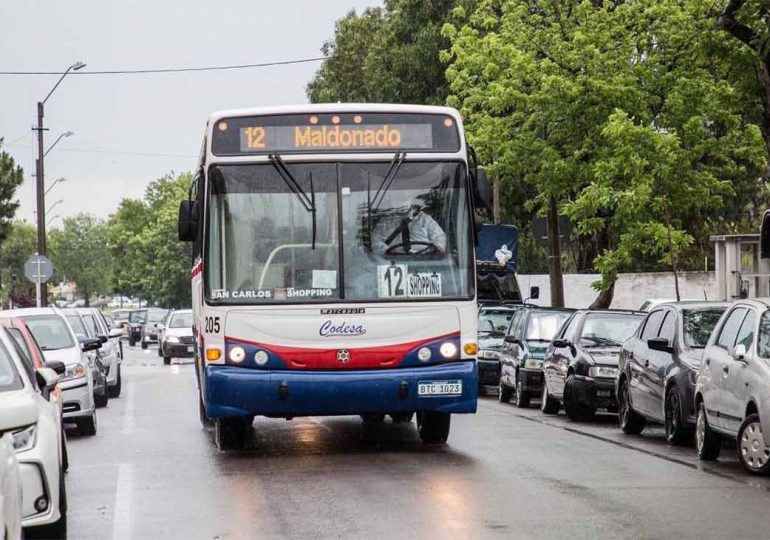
335, 107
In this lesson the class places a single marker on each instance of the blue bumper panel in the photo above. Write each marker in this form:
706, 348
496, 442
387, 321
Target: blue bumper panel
232, 391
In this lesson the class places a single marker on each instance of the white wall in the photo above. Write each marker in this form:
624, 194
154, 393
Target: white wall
631, 290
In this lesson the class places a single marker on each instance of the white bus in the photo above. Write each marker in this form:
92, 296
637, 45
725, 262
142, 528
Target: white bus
333, 266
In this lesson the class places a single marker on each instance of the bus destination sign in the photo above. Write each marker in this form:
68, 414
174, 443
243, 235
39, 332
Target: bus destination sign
331, 133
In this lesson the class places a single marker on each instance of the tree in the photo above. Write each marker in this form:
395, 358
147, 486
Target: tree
124, 230
11, 177
578, 100
79, 253
14, 251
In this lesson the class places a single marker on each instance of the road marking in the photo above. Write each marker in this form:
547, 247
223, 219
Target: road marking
121, 519
128, 413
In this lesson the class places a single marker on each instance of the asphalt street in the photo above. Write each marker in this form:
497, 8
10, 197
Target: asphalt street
152, 472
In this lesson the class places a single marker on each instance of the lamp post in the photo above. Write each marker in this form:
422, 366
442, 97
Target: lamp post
40, 180
61, 179
54, 205
54, 218
65, 134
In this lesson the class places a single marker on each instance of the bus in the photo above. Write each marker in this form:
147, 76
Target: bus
333, 266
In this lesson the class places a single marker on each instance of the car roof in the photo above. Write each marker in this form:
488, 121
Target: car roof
21, 312
613, 310
682, 304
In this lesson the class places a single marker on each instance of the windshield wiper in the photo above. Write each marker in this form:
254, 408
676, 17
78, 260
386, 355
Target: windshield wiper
307, 202
395, 165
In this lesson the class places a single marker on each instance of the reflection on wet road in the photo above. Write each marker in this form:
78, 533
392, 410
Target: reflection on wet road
153, 472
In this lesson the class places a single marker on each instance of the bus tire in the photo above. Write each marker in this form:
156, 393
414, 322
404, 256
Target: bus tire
231, 433
167, 360
433, 426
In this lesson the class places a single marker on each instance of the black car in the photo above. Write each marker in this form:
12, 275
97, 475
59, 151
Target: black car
581, 363
151, 329
493, 323
658, 366
532, 329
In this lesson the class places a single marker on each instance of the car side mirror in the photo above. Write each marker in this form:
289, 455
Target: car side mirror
103, 338
187, 224
161, 327
561, 343
511, 339
115, 332
660, 344
90, 344
739, 352
534, 293
483, 190
47, 379
56, 366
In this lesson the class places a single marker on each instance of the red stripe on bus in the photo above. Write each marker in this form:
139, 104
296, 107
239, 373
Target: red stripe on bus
197, 269
360, 357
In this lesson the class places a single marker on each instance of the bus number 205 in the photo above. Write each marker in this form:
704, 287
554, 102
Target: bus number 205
212, 325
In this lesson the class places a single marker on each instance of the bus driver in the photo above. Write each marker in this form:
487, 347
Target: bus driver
407, 228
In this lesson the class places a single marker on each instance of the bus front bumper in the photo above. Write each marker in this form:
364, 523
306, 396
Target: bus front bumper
234, 392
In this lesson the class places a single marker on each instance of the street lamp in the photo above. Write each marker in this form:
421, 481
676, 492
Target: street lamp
54, 205
48, 223
60, 179
40, 184
65, 134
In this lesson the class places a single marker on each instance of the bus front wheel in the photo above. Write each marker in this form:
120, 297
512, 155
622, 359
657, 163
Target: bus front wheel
433, 426
231, 433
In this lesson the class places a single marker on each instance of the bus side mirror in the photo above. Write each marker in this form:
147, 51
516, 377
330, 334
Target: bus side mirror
483, 190
188, 221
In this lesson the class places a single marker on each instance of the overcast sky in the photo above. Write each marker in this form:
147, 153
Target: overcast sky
131, 129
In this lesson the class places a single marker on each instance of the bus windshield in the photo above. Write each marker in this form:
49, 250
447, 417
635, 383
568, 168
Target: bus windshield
330, 232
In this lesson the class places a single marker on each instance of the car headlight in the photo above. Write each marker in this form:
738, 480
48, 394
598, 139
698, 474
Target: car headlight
172, 339
488, 354
605, 372
74, 372
25, 438
533, 363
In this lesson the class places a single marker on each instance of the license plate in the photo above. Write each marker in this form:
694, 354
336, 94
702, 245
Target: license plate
603, 393
439, 388
190, 349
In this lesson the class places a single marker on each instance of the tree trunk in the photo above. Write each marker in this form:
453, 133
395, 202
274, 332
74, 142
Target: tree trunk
604, 300
554, 255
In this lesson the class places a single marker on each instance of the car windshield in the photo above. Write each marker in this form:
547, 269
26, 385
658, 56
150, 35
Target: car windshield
51, 332
543, 325
181, 320
404, 236
138, 317
609, 329
9, 376
77, 324
697, 325
494, 286
496, 321
156, 316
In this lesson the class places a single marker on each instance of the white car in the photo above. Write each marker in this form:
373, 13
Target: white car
175, 336
110, 351
731, 395
58, 342
10, 489
34, 424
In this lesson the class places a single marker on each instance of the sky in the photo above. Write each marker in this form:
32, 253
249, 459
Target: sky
132, 129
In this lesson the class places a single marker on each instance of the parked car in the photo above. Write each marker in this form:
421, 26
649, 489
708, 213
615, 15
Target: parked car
581, 363
493, 323
110, 351
120, 316
95, 361
531, 330
150, 329
58, 342
176, 336
34, 425
10, 489
731, 396
658, 366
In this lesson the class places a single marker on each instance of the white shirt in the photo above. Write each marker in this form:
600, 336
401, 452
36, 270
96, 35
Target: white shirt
422, 228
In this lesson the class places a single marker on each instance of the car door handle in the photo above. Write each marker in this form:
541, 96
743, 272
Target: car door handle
646, 363
726, 369
631, 356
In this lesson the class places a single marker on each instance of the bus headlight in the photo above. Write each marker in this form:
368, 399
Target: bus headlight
237, 354
261, 358
424, 354
448, 350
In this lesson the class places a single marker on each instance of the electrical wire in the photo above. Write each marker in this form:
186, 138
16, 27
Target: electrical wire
113, 152
171, 70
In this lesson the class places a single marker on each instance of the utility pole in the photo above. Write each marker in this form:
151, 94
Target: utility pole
496, 199
40, 186
554, 255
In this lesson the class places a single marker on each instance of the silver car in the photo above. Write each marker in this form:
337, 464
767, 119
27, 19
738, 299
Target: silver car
731, 394
110, 351
176, 336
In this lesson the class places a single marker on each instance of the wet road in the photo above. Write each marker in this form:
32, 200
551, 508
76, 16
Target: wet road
153, 472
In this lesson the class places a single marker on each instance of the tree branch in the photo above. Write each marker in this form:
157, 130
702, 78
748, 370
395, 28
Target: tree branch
729, 23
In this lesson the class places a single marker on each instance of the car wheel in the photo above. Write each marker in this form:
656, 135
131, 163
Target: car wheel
676, 430
101, 400
160, 349
522, 397
504, 393
402, 418
58, 529
167, 360
548, 404
65, 457
231, 433
708, 443
87, 426
433, 426
631, 422
131, 342
144, 344
576, 411
114, 391
752, 451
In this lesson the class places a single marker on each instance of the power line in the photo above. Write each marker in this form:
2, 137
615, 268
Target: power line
171, 70
114, 152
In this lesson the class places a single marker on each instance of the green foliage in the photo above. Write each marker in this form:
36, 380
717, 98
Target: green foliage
14, 251
79, 253
149, 260
617, 109
388, 55
11, 177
